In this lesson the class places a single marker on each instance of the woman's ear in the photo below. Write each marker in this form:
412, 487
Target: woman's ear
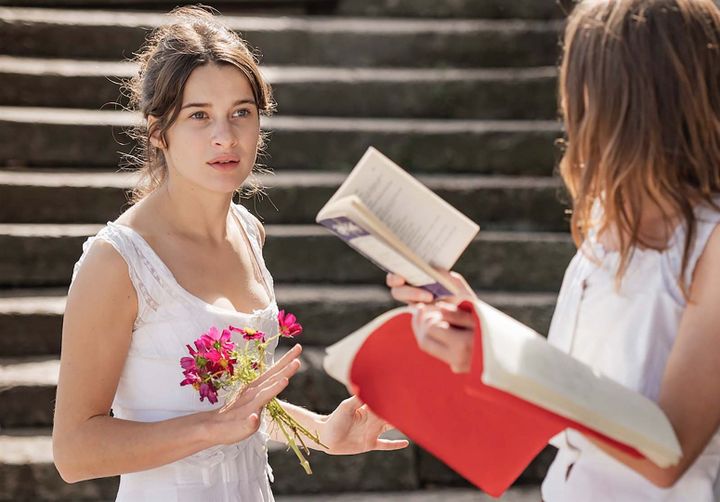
155, 138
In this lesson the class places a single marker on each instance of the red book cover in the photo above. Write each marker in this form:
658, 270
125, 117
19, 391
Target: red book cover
487, 435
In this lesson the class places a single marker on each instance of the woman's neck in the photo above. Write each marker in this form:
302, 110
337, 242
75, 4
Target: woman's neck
654, 230
193, 212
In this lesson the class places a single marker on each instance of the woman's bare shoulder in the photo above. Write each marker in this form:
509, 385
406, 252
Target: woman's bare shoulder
103, 278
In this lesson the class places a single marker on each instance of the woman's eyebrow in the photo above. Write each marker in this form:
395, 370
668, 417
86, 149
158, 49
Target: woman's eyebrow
209, 105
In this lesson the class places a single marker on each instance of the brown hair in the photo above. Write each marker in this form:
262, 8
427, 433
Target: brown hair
639, 92
170, 55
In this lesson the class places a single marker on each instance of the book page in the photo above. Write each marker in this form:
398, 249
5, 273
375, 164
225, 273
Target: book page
521, 362
428, 225
339, 356
360, 235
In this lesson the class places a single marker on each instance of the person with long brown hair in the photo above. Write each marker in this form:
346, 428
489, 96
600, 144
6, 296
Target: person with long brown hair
182, 259
639, 91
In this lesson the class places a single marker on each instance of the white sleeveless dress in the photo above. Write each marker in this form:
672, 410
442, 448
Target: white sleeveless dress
169, 317
627, 335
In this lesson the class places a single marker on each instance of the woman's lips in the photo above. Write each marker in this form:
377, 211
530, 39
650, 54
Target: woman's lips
224, 165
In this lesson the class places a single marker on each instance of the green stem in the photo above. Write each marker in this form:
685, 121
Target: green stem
291, 443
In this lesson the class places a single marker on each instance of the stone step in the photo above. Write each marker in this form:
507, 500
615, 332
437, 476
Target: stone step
505, 93
43, 255
28, 386
521, 9
31, 320
27, 473
517, 494
327, 41
494, 202
267, 6
82, 138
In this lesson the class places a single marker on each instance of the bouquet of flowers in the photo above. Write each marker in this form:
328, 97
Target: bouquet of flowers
217, 365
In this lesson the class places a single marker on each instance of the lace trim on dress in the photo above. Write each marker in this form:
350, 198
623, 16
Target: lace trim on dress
129, 252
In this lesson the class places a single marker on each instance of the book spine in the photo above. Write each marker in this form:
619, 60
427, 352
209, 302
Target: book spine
348, 230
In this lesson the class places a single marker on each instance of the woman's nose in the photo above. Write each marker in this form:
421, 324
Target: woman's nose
223, 135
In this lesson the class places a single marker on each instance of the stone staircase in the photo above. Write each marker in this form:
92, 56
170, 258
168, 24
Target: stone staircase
461, 93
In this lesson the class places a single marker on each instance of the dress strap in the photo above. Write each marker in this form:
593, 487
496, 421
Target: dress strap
149, 285
707, 219
250, 225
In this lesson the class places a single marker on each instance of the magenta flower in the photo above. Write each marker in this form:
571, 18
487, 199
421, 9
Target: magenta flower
191, 378
208, 391
188, 363
215, 339
289, 327
249, 333
211, 360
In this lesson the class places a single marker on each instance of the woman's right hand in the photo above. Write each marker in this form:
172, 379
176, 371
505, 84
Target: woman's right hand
239, 418
446, 332
406, 293
442, 329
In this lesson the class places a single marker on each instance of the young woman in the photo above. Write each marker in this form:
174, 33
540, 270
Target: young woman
183, 258
640, 96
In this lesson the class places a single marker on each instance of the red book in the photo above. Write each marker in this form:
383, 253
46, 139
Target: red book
490, 423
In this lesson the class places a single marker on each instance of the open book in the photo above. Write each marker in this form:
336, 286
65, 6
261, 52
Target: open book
398, 223
490, 423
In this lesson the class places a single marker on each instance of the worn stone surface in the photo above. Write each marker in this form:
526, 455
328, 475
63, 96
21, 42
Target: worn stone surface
354, 473
435, 472
494, 203
31, 325
496, 260
518, 494
27, 388
525, 9
87, 139
43, 255
336, 42
27, 473
458, 9
454, 99
327, 92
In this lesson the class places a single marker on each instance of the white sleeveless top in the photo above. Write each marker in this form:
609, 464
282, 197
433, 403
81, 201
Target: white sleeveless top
628, 336
169, 317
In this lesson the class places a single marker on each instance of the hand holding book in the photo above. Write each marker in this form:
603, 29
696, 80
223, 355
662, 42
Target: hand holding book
398, 223
487, 424
490, 423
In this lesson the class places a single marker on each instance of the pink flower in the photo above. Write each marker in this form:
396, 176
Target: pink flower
289, 327
249, 333
209, 362
214, 339
191, 378
188, 363
208, 391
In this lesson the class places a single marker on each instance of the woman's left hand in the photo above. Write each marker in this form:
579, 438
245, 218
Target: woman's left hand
353, 428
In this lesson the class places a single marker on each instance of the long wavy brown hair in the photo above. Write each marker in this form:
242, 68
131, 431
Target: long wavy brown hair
193, 38
639, 92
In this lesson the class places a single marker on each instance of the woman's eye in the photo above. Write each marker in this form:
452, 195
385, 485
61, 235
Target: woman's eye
243, 112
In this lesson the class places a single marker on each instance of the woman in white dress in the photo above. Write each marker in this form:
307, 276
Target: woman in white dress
183, 258
640, 94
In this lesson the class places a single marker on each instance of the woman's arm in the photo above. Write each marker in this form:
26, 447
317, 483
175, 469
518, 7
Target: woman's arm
691, 382
351, 428
690, 389
97, 328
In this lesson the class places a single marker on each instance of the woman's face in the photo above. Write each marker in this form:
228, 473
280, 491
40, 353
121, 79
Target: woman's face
213, 142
